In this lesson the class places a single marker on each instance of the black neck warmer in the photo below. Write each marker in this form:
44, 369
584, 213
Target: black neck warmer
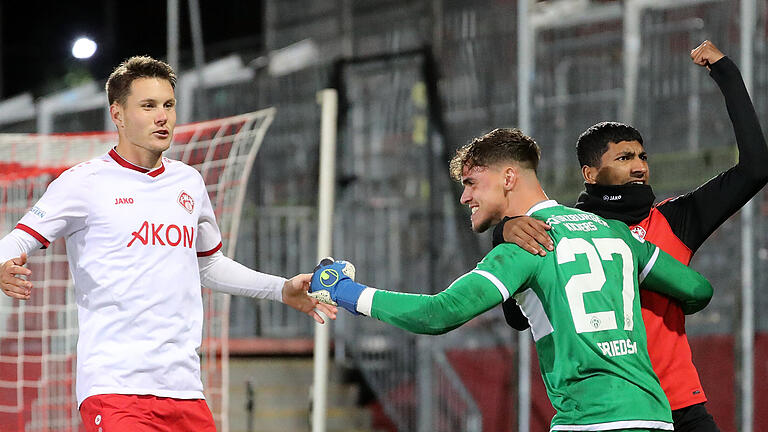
628, 203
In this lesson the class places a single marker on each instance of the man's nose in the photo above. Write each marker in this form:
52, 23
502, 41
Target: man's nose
465, 197
640, 166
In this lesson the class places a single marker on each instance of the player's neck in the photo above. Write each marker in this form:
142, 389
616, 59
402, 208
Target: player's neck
525, 197
138, 156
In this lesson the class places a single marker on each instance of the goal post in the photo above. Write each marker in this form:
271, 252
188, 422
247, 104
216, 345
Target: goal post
38, 337
328, 100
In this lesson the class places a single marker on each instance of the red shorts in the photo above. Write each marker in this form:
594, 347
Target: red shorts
140, 413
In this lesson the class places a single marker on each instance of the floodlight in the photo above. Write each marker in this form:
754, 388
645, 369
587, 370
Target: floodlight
83, 48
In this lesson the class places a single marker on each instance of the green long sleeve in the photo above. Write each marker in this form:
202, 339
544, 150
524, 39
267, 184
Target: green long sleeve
467, 297
669, 276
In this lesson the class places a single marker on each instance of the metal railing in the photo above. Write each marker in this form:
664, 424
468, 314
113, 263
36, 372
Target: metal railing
455, 408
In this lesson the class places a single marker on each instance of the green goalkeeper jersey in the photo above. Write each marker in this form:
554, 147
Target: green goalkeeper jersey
583, 305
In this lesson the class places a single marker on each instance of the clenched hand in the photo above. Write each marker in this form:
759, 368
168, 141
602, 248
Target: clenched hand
706, 54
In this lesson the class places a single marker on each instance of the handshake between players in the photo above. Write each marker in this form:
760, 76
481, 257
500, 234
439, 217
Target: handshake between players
333, 283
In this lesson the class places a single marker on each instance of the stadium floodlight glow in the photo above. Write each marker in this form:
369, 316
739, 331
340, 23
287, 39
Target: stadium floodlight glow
83, 48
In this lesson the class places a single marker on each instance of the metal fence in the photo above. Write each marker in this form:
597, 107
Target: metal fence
397, 214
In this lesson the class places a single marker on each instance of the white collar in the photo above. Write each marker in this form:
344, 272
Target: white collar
541, 205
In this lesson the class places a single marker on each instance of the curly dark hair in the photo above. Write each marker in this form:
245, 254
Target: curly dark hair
119, 83
594, 141
496, 146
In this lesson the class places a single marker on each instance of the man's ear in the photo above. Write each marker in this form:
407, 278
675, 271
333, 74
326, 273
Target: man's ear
116, 114
510, 177
589, 173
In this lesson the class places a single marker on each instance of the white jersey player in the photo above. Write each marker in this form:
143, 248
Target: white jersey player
141, 238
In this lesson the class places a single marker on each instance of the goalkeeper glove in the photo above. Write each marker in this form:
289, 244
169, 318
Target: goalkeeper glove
333, 282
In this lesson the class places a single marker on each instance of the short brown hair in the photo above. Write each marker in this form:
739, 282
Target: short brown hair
496, 146
119, 83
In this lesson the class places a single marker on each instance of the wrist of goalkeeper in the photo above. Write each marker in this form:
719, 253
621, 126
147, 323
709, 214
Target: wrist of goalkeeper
333, 282
355, 297
348, 294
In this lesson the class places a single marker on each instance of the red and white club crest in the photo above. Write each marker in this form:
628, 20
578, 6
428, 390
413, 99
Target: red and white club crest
186, 201
639, 232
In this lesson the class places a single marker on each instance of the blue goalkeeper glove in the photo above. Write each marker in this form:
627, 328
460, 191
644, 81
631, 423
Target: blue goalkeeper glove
333, 282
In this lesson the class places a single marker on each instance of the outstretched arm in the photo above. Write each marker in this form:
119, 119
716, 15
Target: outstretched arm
223, 274
692, 216
467, 297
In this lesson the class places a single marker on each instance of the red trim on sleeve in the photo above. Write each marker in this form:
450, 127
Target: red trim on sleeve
34, 234
210, 252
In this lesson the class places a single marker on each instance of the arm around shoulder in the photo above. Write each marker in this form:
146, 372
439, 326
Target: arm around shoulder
666, 275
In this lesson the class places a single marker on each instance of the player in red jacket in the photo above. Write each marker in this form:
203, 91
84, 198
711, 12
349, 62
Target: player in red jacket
615, 169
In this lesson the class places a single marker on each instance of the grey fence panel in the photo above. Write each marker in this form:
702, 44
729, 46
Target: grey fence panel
378, 208
386, 26
672, 93
579, 81
23, 126
323, 21
286, 238
282, 194
80, 121
456, 409
391, 216
476, 55
224, 101
760, 62
761, 261
760, 98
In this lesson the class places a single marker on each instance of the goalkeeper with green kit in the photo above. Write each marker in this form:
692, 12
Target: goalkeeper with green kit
582, 301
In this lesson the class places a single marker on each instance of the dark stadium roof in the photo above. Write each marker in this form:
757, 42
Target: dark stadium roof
36, 37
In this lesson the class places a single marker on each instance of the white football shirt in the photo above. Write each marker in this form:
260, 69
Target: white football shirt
133, 237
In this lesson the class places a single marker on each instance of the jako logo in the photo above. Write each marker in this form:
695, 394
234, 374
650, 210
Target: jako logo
123, 201
329, 277
611, 197
162, 235
186, 201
